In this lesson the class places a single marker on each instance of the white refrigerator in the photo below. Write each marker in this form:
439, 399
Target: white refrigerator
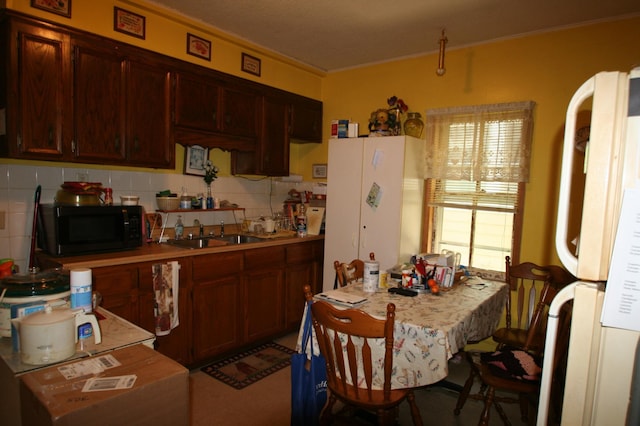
600, 385
374, 201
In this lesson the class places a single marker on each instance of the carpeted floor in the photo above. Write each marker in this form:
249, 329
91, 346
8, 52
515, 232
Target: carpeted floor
268, 401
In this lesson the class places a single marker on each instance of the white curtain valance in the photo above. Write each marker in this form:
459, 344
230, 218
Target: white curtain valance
479, 143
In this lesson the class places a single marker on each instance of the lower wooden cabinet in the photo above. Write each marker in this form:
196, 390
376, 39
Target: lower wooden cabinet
226, 300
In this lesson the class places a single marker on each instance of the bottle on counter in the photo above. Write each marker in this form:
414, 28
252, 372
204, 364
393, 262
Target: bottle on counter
301, 221
179, 228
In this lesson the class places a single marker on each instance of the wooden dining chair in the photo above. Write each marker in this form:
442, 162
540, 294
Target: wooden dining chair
345, 337
517, 370
525, 281
347, 273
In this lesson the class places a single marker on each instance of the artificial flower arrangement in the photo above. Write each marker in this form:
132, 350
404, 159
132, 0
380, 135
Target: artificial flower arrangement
210, 172
386, 121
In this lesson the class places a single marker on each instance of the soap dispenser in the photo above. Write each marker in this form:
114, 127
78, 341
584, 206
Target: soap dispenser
179, 228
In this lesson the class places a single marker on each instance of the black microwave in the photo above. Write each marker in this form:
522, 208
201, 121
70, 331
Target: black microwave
65, 230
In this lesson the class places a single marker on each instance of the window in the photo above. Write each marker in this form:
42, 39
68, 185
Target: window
476, 164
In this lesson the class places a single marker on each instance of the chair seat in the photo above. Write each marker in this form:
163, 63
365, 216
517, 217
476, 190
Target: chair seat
514, 337
376, 399
495, 381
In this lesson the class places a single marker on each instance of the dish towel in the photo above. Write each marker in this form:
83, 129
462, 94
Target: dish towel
166, 281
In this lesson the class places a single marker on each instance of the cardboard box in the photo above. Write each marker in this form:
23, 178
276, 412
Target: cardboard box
159, 396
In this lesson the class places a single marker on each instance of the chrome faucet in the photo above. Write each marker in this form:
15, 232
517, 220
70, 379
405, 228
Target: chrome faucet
201, 234
222, 228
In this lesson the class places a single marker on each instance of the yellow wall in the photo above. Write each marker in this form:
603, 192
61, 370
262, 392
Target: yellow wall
546, 68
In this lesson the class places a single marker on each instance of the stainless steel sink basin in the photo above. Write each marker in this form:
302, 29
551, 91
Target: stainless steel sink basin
238, 239
194, 243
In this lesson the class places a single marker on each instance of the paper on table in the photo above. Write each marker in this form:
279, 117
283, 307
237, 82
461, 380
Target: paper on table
340, 297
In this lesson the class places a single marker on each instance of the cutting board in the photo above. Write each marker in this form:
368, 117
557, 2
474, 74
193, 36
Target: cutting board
314, 220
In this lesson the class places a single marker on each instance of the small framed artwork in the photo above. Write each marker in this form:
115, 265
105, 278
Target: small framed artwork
319, 171
251, 64
195, 158
199, 47
129, 23
59, 7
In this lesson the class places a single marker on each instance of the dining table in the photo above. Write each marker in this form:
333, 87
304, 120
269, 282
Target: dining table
429, 329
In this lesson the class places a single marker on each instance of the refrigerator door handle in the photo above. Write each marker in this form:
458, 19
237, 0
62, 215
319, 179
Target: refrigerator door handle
568, 259
566, 294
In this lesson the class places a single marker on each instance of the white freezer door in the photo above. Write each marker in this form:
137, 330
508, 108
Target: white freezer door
342, 216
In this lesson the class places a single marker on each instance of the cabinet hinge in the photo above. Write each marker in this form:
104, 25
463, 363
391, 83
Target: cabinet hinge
19, 142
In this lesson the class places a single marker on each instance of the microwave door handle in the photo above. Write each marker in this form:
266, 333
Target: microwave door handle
126, 223
568, 259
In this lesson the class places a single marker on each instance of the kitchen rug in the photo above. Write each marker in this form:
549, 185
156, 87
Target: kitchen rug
248, 367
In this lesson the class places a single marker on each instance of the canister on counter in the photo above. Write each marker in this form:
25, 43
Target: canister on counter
81, 292
371, 276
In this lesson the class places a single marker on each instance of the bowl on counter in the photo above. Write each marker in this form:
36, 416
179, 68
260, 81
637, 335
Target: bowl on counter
129, 200
168, 203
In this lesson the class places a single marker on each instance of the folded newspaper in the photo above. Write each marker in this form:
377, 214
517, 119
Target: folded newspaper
342, 298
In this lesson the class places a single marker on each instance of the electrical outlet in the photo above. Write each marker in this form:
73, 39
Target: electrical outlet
2, 214
82, 177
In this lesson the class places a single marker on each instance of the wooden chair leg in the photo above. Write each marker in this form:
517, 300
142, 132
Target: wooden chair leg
502, 414
415, 412
326, 415
488, 401
524, 407
466, 389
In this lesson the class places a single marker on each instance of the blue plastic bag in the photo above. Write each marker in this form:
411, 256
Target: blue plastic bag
308, 380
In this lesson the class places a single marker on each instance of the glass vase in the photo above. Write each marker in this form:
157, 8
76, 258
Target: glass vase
413, 125
209, 197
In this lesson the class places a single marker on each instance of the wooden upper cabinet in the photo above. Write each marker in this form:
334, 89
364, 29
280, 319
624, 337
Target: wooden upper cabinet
196, 102
306, 120
271, 158
148, 124
37, 92
214, 112
98, 102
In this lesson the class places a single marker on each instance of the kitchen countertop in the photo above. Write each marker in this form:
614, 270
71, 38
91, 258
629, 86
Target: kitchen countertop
154, 252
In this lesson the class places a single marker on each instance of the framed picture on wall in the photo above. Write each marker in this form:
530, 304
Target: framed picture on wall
319, 171
129, 23
59, 7
199, 47
251, 64
195, 158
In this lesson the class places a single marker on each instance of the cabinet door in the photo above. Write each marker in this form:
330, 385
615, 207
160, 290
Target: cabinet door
39, 82
306, 120
262, 286
304, 266
216, 317
196, 102
262, 294
148, 134
272, 156
99, 103
240, 112
118, 286
176, 344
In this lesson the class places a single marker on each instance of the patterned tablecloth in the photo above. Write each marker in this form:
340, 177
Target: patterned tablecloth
430, 329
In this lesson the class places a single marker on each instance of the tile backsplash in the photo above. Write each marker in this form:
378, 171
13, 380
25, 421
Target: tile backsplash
259, 197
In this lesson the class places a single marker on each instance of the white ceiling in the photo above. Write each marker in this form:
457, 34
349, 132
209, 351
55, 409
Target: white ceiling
331, 35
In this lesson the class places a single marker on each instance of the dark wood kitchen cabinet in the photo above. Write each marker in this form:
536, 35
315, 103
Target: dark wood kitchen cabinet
216, 316
96, 100
214, 112
121, 105
306, 120
175, 345
304, 266
36, 75
119, 289
271, 157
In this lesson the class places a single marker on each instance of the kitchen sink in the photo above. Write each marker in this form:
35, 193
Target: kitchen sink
194, 243
238, 239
